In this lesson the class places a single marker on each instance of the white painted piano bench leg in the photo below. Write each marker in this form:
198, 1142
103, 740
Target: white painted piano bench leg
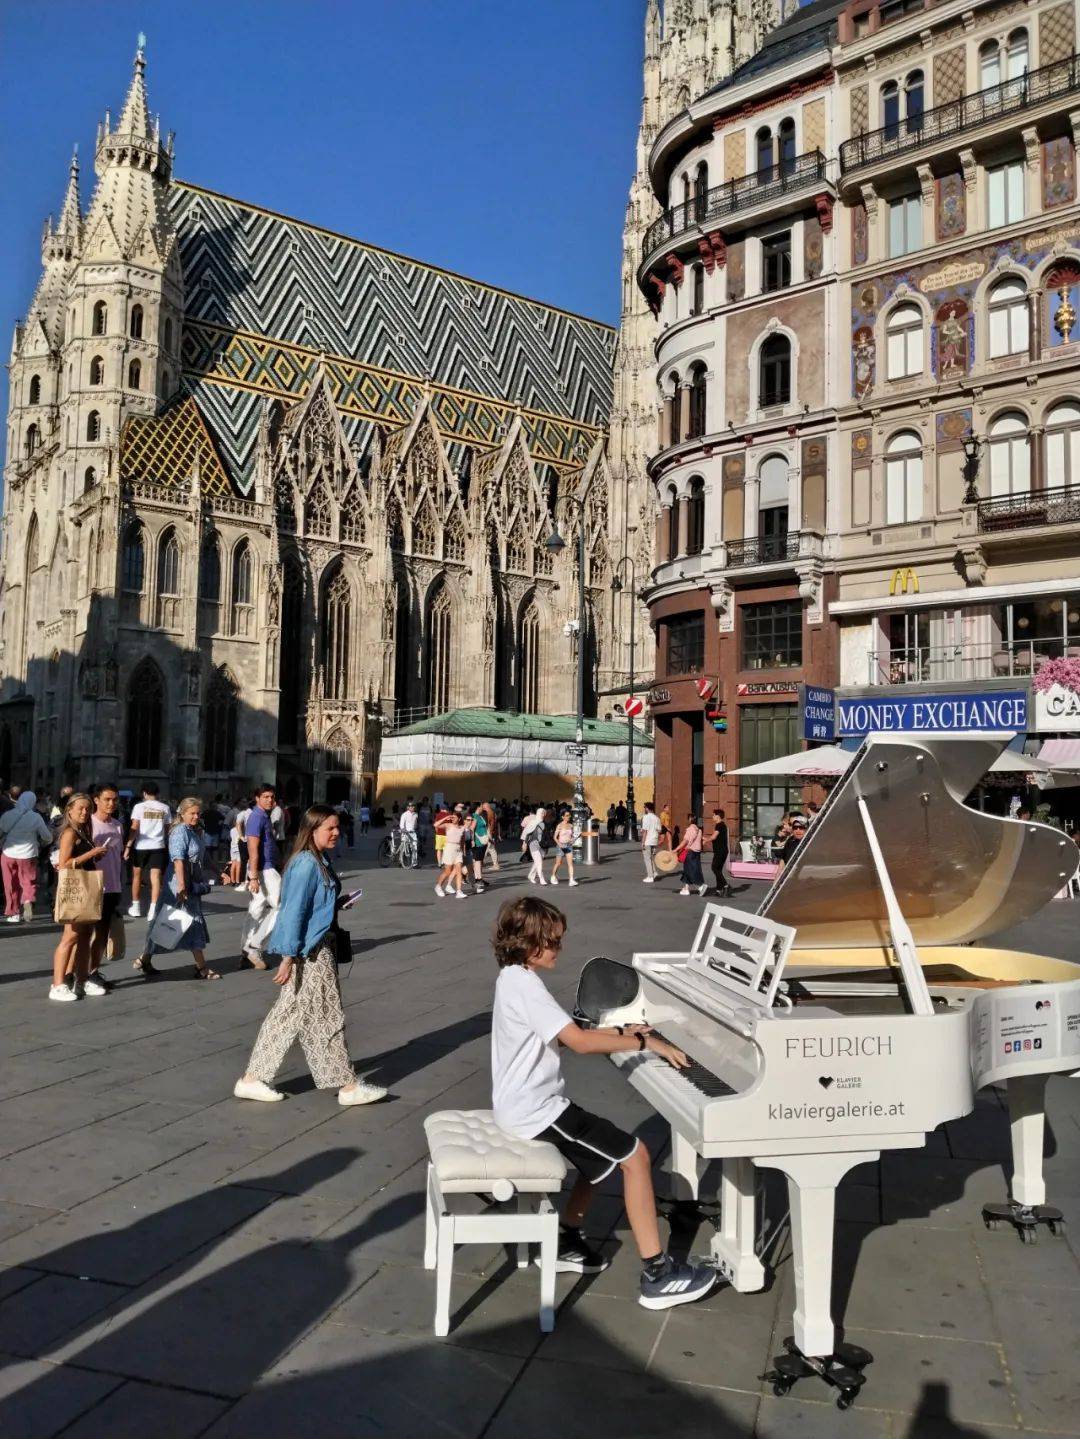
535, 1222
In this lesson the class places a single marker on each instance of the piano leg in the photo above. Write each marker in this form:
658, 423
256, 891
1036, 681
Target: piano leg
734, 1247
685, 1169
1026, 1208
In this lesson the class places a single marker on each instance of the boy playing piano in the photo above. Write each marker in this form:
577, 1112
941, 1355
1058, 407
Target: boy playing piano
527, 1027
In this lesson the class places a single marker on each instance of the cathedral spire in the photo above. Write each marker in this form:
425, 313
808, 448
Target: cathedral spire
135, 116
652, 31
71, 211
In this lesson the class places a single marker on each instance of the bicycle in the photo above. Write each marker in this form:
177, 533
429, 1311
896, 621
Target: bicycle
397, 848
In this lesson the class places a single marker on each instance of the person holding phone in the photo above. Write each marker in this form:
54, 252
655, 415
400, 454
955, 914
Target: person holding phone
308, 1006
107, 831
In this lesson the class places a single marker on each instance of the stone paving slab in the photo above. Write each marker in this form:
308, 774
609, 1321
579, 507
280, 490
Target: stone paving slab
173, 1262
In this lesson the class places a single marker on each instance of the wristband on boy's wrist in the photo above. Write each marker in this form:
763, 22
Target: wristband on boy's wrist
620, 1029
641, 1041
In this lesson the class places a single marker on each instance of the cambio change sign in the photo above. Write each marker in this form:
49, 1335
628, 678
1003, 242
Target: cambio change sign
947, 714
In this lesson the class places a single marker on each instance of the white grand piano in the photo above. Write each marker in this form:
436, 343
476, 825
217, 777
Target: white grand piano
856, 1012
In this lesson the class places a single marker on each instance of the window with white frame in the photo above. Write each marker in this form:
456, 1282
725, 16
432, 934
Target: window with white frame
1063, 445
905, 224
1010, 454
1016, 55
903, 478
1005, 193
1007, 309
904, 342
989, 64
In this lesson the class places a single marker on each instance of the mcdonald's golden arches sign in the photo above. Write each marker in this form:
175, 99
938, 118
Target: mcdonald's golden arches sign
902, 580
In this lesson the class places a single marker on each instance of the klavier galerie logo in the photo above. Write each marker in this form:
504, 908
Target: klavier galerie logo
825, 1080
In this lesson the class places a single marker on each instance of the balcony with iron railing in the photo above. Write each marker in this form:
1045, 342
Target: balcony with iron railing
1031, 509
958, 117
949, 664
748, 192
764, 550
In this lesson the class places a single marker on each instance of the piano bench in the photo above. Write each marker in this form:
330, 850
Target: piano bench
471, 1155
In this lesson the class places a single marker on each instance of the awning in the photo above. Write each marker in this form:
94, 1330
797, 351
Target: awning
1061, 753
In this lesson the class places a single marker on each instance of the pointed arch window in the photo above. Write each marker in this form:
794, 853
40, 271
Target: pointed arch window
168, 335
100, 318
318, 515
145, 717
394, 526
210, 584
133, 560
168, 580
336, 634
454, 543
529, 659
97, 370
353, 525
424, 531
134, 374
774, 372
89, 478
439, 658
93, 426
219, 723
695, 516
517, 549
243, 591
33, 440
135, 322
35, 389
291, 698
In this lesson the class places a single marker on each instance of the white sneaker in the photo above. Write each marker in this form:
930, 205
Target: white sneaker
241, 885
62, 994
648, 879
150, 913
554, 879
703, 889
532, 878
134, 912
460, 894
572, 881
13, 919
361, 1093
94, 987
684, 890
256, 1089
541, 880
440, 891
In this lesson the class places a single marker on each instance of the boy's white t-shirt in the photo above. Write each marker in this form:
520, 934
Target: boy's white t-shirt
526, 1077
650, 829
152, 817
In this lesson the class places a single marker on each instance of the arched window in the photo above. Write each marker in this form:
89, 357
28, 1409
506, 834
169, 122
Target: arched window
903, 478
336, 633
785, 136
989, 65
1008, 313
914, 101
773, 497
697, 293
904, 342
529, 659
134, 374
672, 523
93, 425
219, 723
291, 698
676, 409
763, 144
890, 109
133, 560
33, 439
318, 516
695, 516
210, 584
1016, 55
701, 191
423, 536
353, 526
168, 335
97, 370
698, 395
135, 322
101, 318
145, 713
1063, 445
169, 564
89, 478
1010, 457
35, 389
454, 538
439, 655
774, 372
243, 590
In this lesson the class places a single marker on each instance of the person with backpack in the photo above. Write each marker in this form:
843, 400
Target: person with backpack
22, 834
532, 843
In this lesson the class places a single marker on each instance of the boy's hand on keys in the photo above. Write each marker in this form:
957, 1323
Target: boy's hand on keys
675, 1057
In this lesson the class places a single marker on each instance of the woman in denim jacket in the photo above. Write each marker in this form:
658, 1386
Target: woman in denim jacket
308, 1007
187, 884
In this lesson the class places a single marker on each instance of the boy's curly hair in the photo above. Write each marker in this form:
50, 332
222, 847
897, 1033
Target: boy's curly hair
525, 927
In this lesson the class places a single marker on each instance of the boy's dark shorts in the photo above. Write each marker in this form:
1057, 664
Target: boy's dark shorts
594, 1146
149, 858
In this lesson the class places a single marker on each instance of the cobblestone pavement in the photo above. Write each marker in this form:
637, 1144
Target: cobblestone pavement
175, 1263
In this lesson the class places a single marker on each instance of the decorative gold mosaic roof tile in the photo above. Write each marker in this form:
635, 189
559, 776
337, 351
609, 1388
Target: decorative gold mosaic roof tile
163, 449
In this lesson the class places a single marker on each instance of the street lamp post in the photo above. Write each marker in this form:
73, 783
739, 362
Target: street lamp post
971, 469
617, 586
555, 545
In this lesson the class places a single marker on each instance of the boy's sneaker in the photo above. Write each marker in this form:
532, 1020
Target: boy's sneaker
667, 1282
575, 1254
62, 993
95, 986
134, 911
440, 891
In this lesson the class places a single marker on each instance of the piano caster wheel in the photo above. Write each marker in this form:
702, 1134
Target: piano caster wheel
1056, 1227
1028, 1234
781, 1387
1024, 1218
846, 1398
853, 1356
842, 1370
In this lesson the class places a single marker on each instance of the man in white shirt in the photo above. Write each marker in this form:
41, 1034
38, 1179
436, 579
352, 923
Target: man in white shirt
650, 838
408, 825
148, 847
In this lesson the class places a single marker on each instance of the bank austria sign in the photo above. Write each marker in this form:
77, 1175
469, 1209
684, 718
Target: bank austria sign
948, 714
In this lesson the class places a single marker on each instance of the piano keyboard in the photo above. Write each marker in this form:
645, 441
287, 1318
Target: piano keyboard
710, 1085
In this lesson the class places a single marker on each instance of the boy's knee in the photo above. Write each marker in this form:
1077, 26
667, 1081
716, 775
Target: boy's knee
639, 1159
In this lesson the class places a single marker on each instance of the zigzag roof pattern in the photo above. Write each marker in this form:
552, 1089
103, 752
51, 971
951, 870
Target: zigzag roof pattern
266, 295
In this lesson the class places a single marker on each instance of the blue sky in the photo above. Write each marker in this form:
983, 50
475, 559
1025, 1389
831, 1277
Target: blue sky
494, 137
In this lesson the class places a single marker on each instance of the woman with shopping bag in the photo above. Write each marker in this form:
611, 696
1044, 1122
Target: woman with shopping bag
78, 901
180, 923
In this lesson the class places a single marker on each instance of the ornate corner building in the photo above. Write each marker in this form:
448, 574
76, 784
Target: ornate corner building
269, 489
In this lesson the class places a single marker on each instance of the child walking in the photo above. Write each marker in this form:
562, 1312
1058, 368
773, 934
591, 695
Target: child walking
564, 841
528, 1100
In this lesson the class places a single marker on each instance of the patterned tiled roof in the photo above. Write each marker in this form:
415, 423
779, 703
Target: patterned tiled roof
164, 450
266, 296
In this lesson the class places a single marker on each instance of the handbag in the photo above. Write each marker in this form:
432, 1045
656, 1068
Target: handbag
342, 946
170, 925
117, 945
78, 896
681, 854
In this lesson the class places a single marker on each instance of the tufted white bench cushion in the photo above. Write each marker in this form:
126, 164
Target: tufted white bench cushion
469, 1154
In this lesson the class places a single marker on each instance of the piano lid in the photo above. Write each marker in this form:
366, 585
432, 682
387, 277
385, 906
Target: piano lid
958, 874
